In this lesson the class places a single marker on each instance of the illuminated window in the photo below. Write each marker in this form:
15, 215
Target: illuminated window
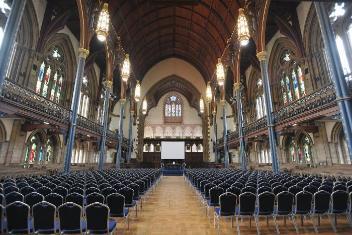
260, 101
173, 109
51, 75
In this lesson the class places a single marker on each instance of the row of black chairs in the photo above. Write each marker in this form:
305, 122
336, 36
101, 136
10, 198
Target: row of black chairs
235, 193
76, 193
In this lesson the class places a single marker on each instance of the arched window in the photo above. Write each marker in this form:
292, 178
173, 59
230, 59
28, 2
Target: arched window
292, 152
5, 9
51, 75
299, 153
263, 153
173, 109
34, 150
260, 106
305, 153
49, 150
83, 105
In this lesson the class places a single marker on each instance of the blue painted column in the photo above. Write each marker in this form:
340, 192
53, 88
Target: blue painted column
83, 53
215, 138
130, 139
242, 153
343, 95
10, 33
102, 146
269, 117
226, 153
119, 147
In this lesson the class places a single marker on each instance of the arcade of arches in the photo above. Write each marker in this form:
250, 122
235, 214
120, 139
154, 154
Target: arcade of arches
173, 72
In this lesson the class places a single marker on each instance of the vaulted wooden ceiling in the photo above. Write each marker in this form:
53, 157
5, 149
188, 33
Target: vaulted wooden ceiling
194, 30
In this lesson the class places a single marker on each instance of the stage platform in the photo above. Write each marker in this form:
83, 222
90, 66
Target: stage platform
172, 172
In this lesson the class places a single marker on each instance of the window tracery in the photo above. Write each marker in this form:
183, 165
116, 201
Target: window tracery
173, 109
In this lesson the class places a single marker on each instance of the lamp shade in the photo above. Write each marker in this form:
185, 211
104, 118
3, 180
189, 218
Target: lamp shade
137, 92
220, 73
144, 107
125, 71
102, 28
242, 28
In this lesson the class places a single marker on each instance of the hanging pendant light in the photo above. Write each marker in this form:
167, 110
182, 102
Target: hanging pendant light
201, 105
144, 107
220, 73
137, 92
242, 28
102, 29
125, 71
208, 92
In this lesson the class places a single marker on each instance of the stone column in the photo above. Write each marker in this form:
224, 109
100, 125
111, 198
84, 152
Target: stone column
242, 153
226, 153
269, 107
119, 149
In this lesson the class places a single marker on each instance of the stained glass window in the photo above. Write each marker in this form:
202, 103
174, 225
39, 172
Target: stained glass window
173, 109
49, 150
260, 101
50, 75
33, 150
306, 150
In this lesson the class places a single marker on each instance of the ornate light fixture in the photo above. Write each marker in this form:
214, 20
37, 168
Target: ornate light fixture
220, 73
208, 92
102, 29
125, 71
242, 28
137, 92
144, 106
201, 105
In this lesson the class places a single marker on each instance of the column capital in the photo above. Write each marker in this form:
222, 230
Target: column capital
236, 86
82, 52
122, 100
108, 84
261, 55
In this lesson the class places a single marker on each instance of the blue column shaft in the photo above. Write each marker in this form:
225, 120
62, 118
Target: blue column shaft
269, 116
130, 141
102, 148
240, 130
119, 149
343, 95
215, 138
10, 32
226, 153
74, 110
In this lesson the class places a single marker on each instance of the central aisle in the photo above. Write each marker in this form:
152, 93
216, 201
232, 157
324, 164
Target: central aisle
175, 209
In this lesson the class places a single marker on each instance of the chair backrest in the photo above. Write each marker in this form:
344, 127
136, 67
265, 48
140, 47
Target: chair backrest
278, 189
107, 191
92, 190
116, 203
75, 198
17, 214
10, 189
70, 215
321, 202
33, 198
234, 190
27, 190
326, 188
207, 187
228, 203
61, 191
249, 189
44, 214
128, 194
303, 202
13, 197
54, 199
339, 187
339, 201
266, 203
284, 203
263, 189
97, 215
94, 197
295, 189
310, 188
135, 188
238, 185
44, 190
214, 194
76, 190
247, 203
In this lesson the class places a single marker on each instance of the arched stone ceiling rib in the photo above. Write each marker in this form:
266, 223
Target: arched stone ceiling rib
152, 30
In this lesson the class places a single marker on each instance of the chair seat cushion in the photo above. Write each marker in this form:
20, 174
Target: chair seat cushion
219, 212
20, 230
49, 231
212, 203
131, 205
76, 230
125, 213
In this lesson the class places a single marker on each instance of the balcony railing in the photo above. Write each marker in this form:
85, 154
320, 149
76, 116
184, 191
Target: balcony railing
313, 103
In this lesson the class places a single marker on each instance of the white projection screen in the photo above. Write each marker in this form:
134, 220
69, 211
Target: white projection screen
172, 150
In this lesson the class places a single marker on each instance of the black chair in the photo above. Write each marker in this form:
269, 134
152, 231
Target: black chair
94, 197
321, 206
234, 190
92, 190
266, 201
36, 185
98, 219
27, 190
33, 198
44, 214
310, 189
70, 216
339, 206
75, 198
278, 189
10, 189
339, 187
107, 191
227, 208
249, 189
13, 197
116, 203
18, 222
284, 208
295, 189
263, 189
303, 204
55, 199
246, 208
214, 194
128, 194
76, 190
61, 191
44, 190
326, 188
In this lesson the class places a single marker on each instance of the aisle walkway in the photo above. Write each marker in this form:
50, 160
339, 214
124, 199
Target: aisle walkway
174, 208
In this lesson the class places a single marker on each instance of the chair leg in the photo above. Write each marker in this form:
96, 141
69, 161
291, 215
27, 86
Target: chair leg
276, 225
294, 223
301, 220
231, 221
238, 226
332, 223
256, 219
349, 219
314, 225
250, 222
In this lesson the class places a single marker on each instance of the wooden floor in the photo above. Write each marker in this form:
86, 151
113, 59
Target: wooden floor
174, 208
